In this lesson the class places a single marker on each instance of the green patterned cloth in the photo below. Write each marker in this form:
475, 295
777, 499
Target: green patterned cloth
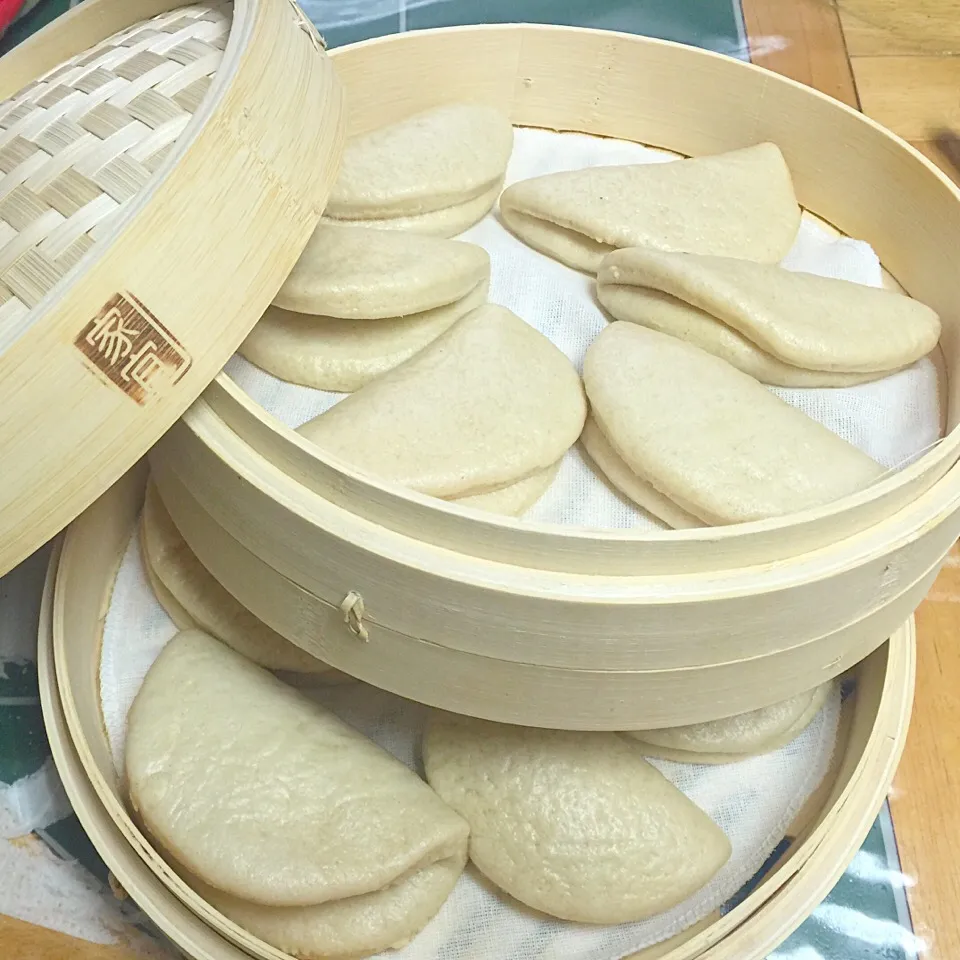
34, 15
715, 24
864, 918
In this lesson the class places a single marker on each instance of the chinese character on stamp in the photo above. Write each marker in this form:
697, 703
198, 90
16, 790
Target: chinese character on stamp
127, 344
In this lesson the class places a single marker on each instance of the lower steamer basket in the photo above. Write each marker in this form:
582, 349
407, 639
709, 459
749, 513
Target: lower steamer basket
824, 837
555, 626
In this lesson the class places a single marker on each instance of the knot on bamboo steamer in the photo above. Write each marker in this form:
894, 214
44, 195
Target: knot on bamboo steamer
352, 609
308, 27
81, 141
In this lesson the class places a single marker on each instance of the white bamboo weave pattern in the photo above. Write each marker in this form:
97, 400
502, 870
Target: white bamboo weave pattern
81, 141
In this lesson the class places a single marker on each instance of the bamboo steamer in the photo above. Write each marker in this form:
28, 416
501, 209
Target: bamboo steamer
825, 835
144, 161
554, 626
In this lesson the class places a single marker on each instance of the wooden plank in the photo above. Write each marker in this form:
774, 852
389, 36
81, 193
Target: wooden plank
866, 39
802, 40
924, 801
916, 97
26, 941
891, 27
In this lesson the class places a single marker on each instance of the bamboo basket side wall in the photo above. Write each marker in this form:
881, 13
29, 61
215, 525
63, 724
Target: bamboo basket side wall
227, 413
535, 617
524, 693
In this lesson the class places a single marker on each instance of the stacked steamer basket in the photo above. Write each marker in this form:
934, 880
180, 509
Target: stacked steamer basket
546, 626
556, 626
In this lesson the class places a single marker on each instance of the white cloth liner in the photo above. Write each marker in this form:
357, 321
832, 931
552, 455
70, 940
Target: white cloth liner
892, 420
754, 801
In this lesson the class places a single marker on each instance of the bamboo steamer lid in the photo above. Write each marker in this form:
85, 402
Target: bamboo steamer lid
161, 168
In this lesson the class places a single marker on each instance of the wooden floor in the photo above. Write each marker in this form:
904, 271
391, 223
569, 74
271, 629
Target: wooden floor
906, 64
899, 61
29, 942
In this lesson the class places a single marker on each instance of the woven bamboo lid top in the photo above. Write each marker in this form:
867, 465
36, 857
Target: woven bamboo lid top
81, 141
